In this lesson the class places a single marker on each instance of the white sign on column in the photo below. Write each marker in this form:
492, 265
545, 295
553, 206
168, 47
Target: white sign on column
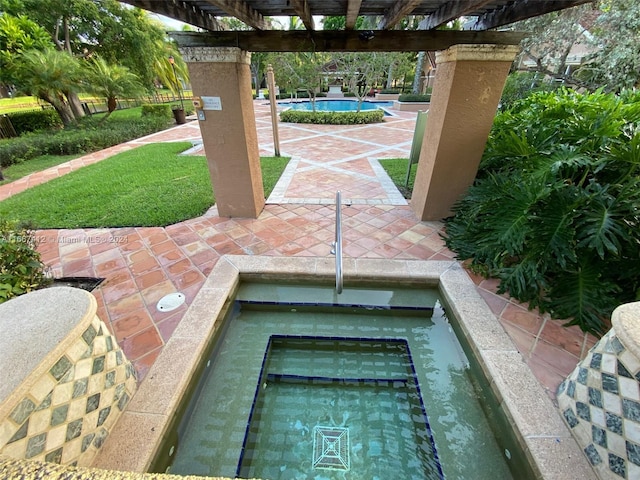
211, 103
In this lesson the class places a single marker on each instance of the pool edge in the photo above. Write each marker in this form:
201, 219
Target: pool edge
546, 440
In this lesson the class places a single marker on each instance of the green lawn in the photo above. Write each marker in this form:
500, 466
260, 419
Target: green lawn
396, 168
19, 170
151, 185
8, 105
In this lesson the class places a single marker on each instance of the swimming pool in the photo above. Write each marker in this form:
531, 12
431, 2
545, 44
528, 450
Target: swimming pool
307, 384
339, 105
144, 431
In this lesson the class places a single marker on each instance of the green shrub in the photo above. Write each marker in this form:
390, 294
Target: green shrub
16, 150
332, 118
555, 209
21, 269
520, 85
390, 90
31, 121
413, 97
349, 94
162, 110
88, 136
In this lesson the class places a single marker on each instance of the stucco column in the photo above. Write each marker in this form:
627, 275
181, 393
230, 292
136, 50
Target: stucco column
221, 77
468, 85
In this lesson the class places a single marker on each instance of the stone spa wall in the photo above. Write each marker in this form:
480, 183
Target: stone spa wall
600, 400
64, 382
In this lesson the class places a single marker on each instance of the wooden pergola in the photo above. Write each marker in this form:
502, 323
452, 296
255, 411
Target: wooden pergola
483, 14
473, 64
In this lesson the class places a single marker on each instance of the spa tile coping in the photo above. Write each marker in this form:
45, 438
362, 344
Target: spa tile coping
35, 331
551, 450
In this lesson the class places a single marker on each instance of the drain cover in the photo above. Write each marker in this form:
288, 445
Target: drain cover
331, 448
170, 302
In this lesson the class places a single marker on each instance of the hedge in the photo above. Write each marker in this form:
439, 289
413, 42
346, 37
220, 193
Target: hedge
21, 269
413, 97
34, 120
157, 110
84, 139
332, 118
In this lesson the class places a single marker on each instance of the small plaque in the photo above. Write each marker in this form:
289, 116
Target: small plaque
211, 103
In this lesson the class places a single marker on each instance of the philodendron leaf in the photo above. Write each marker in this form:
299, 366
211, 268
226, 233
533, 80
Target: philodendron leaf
601, 224
581, 295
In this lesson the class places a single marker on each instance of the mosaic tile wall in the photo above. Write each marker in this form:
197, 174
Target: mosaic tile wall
68, 412
600, 401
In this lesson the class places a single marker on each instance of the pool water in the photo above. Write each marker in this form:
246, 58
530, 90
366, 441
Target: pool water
372, 383
353, 402
340, 105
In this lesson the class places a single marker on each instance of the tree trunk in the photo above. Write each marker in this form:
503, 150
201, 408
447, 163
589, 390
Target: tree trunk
112, 104
75, 104
63, 109
418, 75
390, 76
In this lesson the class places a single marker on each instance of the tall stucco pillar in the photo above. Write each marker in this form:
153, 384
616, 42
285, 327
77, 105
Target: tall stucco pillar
468, 85
222, 78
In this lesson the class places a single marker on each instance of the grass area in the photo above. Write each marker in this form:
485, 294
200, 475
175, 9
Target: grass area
396, 168
8, 105
16, 104
151, 185
19, 170
123, 114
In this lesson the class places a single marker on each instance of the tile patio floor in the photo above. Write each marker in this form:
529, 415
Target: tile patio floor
141, 265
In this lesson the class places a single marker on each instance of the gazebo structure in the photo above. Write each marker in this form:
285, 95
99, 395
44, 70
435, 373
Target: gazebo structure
472, 68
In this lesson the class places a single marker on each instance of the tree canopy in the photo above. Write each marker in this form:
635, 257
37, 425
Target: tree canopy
115, 32
606, 34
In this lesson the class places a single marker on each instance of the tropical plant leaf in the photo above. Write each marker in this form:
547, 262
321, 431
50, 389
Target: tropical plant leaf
523, 281
583, 296
555, 233
601, 224
555, 211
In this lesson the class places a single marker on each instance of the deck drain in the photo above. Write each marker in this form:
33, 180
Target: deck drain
331, 448
170, 302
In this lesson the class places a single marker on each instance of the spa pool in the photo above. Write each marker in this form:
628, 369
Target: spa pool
302, 383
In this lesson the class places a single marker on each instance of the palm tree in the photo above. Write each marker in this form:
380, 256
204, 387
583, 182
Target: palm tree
48, 74
111, 82
164, 70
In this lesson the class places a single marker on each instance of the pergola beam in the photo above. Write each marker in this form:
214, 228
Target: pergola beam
178, 11
450, 11
353, 10
303, 10
397, 12
343, 41
521, 10
242, 11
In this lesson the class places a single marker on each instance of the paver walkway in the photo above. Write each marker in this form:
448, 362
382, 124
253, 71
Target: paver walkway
141, 265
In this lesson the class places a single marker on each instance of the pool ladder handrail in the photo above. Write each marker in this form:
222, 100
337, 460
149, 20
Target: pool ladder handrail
337, 244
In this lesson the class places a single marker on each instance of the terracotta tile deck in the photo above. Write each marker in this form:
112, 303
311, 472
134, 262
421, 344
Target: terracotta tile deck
141, 265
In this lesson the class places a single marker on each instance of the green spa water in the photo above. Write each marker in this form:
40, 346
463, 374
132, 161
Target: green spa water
326, 409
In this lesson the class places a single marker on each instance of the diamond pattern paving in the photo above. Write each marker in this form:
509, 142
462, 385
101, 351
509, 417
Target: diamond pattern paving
146, 263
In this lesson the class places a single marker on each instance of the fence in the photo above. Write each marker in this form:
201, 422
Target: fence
91, 107
6, 128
